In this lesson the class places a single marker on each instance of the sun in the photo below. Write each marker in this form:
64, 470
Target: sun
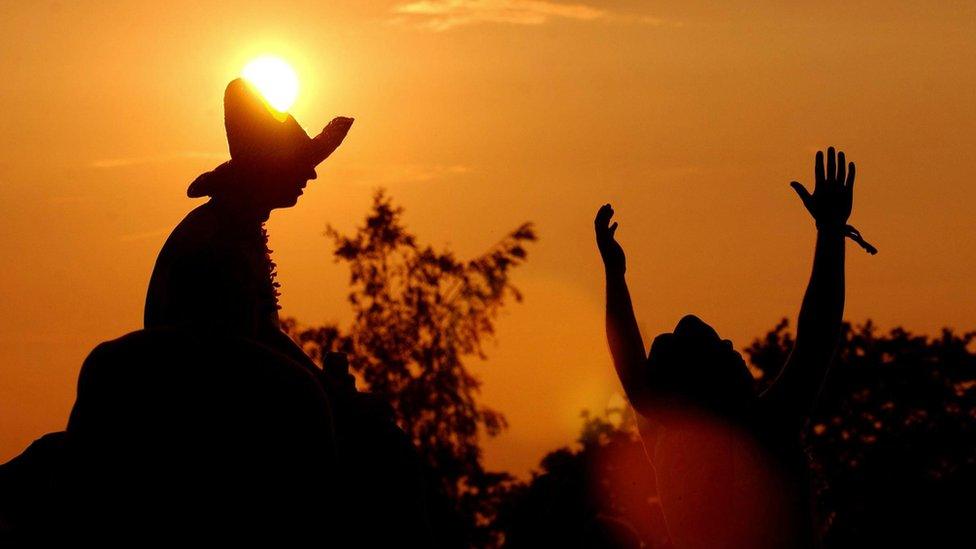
275, 79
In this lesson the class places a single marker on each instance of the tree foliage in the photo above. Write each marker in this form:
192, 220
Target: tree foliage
892, 442
599, 494
419, 315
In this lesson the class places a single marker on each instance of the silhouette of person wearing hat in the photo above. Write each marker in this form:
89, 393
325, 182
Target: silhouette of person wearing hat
215, 270
728, 460
215, 275
211, 420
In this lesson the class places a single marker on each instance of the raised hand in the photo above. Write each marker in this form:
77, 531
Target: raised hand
329, 139
610, 250
623, 336
794, 390
833, 193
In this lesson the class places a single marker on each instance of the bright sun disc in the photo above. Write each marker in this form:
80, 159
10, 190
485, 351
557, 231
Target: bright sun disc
275, 79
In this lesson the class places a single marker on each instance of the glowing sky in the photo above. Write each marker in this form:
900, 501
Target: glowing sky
690, 117
274, 78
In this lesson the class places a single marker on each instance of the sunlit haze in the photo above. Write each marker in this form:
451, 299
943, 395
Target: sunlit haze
275, 79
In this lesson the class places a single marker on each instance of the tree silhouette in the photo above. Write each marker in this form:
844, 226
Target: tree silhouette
419, 315
892, 443
600, 494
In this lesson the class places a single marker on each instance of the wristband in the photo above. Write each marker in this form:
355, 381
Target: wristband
848, 231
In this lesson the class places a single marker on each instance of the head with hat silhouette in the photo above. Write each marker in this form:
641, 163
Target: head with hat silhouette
272, 158
215, 268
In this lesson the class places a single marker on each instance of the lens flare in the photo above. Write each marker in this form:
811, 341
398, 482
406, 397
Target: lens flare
275, 79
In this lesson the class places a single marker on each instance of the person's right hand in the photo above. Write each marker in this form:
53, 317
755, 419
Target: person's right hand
612, 253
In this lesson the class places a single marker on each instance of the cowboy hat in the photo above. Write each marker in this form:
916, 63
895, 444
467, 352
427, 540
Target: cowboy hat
257, 135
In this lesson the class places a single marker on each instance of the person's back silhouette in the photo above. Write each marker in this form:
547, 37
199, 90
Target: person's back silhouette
729, 465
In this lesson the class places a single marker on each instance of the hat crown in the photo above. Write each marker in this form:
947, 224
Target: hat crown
255, 133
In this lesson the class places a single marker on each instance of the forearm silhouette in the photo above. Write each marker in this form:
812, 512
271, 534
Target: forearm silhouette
794, 391
623, 335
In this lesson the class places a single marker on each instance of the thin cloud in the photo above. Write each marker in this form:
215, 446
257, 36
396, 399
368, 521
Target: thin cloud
108, 163
441, 15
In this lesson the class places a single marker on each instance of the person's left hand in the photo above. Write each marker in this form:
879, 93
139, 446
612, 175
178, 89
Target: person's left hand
833, 194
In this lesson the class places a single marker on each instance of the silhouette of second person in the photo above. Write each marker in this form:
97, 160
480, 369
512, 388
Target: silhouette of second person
729, 465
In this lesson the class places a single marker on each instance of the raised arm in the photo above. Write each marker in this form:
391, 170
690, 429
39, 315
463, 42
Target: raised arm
794, 392
623, 335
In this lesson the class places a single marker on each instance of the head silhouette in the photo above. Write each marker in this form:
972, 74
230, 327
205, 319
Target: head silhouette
271, 151
693, 365
272, 158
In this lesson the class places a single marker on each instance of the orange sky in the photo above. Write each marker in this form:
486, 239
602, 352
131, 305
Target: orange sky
477, 115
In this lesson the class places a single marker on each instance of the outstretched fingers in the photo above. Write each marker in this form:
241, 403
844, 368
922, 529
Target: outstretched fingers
803, 193
830, 201
831, 165
818, 170
841, 168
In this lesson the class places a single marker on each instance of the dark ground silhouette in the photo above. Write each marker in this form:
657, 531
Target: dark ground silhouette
176, 436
